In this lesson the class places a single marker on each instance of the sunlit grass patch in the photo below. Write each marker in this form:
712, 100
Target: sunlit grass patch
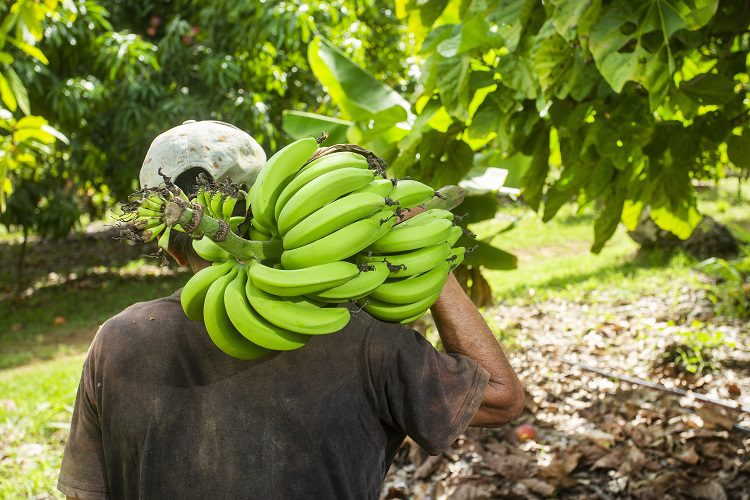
36, 404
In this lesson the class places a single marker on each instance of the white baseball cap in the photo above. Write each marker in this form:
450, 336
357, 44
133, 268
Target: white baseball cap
222, 150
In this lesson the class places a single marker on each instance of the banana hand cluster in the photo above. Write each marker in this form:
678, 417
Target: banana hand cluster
335, 219
419, 254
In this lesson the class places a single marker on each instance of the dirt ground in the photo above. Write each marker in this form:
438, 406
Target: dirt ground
596, 436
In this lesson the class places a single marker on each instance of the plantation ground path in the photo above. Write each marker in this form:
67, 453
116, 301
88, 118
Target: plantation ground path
597, 437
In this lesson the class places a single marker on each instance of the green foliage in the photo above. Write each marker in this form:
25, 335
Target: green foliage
111, 75
695, 347
731, 292
617, 104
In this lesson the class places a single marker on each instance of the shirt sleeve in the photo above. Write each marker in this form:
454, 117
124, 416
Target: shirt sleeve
428, 395
82, 473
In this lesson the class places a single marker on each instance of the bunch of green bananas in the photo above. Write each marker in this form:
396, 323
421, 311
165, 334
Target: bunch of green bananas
334, 220
145, 213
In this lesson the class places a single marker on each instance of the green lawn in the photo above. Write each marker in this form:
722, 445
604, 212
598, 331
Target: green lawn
40, 361
35, 412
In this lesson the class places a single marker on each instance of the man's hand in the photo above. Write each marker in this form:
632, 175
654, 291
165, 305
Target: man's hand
464, 331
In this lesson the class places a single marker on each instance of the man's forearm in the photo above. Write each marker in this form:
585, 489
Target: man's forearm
463, 330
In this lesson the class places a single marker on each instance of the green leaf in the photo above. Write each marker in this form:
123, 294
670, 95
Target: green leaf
617, 41
299, 124
477, 207
553, 58
536, 176
6, 58
609, 217
566, 15
354, 90
679, 222
453, 84
7, 95
471, 34
631, 213
574, 174
29, 50
738, 150
19, 90
491, 257
517, 72
511, 18
709, 89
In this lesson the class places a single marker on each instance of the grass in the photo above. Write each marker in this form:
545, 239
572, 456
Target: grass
36, 398
554, 260
62, 319
35, 412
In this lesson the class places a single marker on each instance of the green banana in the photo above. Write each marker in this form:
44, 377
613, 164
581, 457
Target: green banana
364, 283
146, 213
210, 251
414, 288
397, 312
455, 235
193, 294
153, 232
321, 191
411, 263
339, 245
251, 324
427, 215
456, 257
220, 327
316, 168
260, 227
279, 169
164, 238
256, 234
153, 203
296, 314
413, 318
332, 217
227, 207
410, 193
296, 282
216, 203
403, 239
382, 187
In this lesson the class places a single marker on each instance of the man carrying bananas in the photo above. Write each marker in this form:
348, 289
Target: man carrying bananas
161, 412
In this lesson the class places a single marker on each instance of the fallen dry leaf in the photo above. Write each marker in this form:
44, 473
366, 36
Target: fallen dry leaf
710, 491
511, 467
687, 455
539, 487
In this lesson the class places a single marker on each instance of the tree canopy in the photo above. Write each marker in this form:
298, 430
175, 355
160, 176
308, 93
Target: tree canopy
615, 104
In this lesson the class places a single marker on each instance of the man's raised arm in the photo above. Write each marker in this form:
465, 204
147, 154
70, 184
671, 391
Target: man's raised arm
463, 330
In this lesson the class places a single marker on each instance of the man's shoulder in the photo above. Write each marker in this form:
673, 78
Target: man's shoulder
141, 320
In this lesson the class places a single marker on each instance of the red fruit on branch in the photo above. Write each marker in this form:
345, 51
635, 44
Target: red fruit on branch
155, 21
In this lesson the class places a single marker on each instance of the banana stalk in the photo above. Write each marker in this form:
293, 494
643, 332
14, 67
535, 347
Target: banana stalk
447, 198
178, 212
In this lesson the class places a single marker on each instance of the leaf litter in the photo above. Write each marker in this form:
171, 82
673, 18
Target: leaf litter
597, 436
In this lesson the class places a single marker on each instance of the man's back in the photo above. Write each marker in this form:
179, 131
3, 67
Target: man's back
161, 411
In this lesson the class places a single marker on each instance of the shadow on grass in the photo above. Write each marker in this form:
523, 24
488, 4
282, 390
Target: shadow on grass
641, 260
63, 318
75, 254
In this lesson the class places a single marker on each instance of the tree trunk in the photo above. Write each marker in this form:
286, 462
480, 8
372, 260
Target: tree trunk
709, 239
21, 259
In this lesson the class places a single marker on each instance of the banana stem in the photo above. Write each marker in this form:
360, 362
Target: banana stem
179, 212
447, 198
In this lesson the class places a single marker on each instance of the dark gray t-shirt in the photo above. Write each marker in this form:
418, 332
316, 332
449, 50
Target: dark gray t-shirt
162, 413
